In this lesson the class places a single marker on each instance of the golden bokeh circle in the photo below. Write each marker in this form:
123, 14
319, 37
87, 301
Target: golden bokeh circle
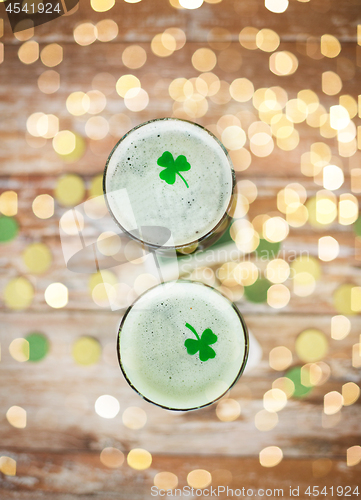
139, 459
18, 293
311, 345
69, 190
37, 258
112, 458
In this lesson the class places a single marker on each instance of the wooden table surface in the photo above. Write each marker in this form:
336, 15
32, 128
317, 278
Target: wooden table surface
57, 454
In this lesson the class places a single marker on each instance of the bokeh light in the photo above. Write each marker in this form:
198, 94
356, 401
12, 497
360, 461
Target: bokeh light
16, 416
134, 56
49, 81
64, 142
280, 358
163, 45
267, 40
300, 390
69, 190
38, 346
228, 410
97, 102
204, 60
112, 458
332, 402
97, 127
29, 52
9, 203
247, 38
350, 393
274, 400
321, 467
56, 295
347, 299
85, 34
285, 384
107, 406
8, 229
18, 293
7, 466
283, 63
340, 327
330, 46
278, 296
165, 480
331, 83
102, 5
311, 345
77, 103
328, 248
265, 420
43, 206
199, 478
270, 456
134, 417
277, 271
37, 258
191, 4
139, 459
52, 55
353, 456
19, 350
86, 351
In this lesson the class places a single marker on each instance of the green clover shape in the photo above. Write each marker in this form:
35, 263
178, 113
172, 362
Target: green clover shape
172, 168
201, 344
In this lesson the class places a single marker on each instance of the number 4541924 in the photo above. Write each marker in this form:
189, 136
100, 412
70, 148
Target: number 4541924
338, 491
33, 8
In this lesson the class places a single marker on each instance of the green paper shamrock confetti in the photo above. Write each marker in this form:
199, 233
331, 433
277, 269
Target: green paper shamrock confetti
173, 168
201, 344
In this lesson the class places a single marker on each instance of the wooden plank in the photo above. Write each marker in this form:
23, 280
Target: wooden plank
346, 268
140, 22
19, 158
57, 453
80, 296
59, 396
69, 476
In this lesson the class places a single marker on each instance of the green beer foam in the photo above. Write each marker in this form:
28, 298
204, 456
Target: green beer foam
160, 355
177, 175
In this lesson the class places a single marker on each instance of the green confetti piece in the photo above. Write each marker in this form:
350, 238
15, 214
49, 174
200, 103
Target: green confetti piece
267, 250
38, 346
294, 374
8, 229
257, 292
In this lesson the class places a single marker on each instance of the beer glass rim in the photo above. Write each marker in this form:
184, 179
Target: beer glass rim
197, 240
245, 356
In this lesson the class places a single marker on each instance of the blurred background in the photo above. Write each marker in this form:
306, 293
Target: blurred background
277, 81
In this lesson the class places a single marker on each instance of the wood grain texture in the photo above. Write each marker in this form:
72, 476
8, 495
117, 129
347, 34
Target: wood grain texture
140, 22
57, 454
67, 476
17, 157
346, 268
59, 395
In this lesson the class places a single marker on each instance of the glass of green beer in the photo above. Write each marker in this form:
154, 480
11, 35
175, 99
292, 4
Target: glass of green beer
182, 345
173, 174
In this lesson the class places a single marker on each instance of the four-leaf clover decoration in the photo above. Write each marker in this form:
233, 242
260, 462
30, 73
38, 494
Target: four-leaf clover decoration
172, 168
201, 344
